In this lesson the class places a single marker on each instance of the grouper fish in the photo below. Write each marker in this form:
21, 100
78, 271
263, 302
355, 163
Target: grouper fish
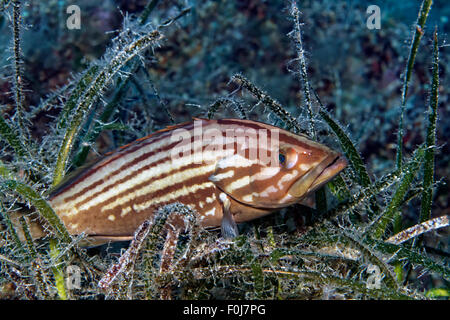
229, 171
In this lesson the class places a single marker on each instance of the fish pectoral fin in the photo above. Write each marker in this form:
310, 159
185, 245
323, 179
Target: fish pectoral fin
228, 226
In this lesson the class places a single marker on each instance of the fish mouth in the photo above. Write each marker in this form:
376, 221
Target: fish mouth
331, 171
317, 177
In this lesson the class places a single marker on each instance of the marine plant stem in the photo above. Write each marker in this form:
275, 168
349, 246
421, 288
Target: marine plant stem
57, 270
297, 37
418, 33
161, 102
400, 253
29, 194
12, 230
378, 227
28, 240
71, 102
18, 77
8, 134
349, 149
418, 229
274, 105
101, 123
146, 13
42, 206
428, 166
351, 153
225, 102
147, 230
35, 261
321, 197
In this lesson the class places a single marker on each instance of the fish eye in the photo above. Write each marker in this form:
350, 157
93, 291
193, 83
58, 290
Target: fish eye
281, 158
288, 158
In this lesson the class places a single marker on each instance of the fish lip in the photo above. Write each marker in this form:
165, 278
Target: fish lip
330, 171
318, 176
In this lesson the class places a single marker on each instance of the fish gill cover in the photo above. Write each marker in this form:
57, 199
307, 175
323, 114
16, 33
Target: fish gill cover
367, 78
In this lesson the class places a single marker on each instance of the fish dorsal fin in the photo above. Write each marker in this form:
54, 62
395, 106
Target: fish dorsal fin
168, 128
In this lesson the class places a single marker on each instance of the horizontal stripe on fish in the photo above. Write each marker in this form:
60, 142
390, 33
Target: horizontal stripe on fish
146, 164
145, 169
138, 209
207, 192
129, 163
105, 168
172, 196
88, 190
110, 171
131, 152
238, 184
177, 177
224, 169
175, 171
225, 175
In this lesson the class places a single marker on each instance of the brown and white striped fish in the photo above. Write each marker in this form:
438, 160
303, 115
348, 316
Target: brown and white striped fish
229, 171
